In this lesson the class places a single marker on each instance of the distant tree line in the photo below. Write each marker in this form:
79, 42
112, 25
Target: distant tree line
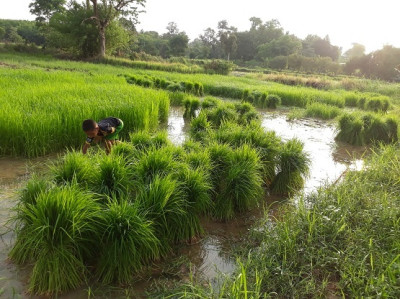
90, 28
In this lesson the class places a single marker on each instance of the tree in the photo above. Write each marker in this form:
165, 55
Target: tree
227, 37
178, 44
104, 12
2, 33
44, 9
357, 50
283, 46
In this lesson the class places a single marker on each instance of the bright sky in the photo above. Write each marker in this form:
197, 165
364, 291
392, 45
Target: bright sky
372, 23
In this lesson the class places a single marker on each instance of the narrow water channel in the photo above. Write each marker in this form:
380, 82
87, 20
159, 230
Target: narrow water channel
211, 253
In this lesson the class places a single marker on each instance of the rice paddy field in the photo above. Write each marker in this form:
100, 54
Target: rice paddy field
223, 186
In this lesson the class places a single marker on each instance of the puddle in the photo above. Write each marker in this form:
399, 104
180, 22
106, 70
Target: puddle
211, 254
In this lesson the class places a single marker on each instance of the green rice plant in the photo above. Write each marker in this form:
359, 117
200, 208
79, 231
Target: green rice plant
190, 146
322, 111
127, 243
192, 105
244, 178
351, 100
350, 129
267, 144
379, 129
124, 149
237, 179
273, 101
177, 98
198, 88
162, 202
293, 166
377, 104
154, 163
73, 167
56, 234
361, 102
113, 176
197, 159
209, 102
221, 113
200, 128
33, 188
196, 188
174, 87
143, 140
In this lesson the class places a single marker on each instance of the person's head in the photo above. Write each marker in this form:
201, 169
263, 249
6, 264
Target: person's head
90, 127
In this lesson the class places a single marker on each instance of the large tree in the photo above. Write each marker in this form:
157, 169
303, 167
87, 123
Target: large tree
106, 11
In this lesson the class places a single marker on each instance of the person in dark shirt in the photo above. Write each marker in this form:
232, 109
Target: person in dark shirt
106, 130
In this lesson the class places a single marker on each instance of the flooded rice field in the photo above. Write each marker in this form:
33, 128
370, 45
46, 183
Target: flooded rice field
208, 255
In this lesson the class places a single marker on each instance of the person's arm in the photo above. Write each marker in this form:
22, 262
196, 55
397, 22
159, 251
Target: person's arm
85, 147
108, 145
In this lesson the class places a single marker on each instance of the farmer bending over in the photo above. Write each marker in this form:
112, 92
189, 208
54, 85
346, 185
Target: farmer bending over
105, 130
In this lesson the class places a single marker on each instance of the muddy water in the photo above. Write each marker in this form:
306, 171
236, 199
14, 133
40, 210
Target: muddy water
328, 159
211, 254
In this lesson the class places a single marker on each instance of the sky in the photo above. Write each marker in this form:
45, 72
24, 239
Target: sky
371, 23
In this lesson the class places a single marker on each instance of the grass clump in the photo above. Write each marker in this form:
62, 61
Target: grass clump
192, 105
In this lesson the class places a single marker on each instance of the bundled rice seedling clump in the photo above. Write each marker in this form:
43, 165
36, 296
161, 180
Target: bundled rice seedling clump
73, 167
127, 242
322, 111
192, 105
293, 167
112, 176
236, 178
56, 234
359, 129
143, 140
350, 129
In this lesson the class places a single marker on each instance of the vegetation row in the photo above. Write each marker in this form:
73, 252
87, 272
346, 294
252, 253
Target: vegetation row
339, 242
109, 216
259, 97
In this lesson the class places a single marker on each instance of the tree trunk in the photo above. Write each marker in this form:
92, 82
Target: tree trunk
102, 31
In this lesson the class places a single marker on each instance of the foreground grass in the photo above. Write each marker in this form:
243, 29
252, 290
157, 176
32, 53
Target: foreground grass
342, 241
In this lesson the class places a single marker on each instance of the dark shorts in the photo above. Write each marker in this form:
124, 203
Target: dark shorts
115, 136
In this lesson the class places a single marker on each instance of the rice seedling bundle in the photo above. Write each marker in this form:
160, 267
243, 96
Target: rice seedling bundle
56, 234
127, 242
143, 140
322, 111
368, 128
192, 105
293, 166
